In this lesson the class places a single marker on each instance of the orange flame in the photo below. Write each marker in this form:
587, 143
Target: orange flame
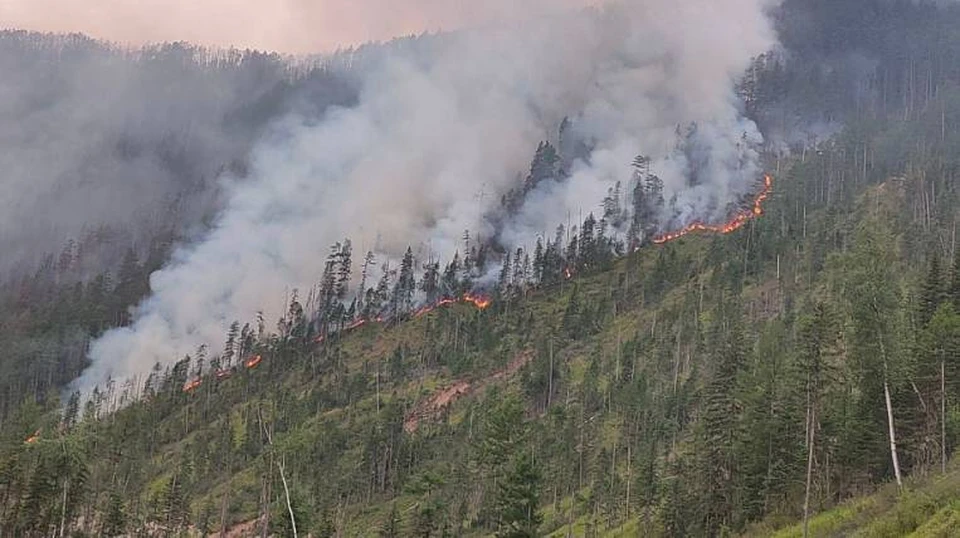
192, 385
735, 223
430, 308
253, 361
223, 374
479, 301
355, 325
33, 438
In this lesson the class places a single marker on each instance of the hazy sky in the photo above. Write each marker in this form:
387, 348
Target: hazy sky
295, 26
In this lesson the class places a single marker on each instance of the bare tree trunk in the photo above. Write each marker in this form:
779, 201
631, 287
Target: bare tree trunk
63, 508
223, 513
893, 434
286, 493
943, 418
550, 377
811, 421
629, 476
886, 396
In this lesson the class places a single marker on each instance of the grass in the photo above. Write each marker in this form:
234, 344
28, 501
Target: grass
927, 507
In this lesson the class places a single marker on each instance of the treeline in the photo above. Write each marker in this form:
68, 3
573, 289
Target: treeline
593, 245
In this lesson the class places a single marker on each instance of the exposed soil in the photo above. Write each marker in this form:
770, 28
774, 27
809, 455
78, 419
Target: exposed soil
433, 406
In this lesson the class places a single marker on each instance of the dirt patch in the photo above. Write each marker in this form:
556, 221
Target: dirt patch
247, 529
434, 405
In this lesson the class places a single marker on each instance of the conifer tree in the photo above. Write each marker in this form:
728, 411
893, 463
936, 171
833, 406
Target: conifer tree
519, 499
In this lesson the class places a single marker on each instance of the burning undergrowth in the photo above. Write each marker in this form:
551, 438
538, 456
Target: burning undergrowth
432, 148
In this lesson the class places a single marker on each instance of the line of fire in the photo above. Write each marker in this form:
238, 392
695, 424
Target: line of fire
482, 302
735, 223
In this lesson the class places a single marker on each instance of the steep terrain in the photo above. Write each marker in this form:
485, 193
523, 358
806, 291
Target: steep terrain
710, 385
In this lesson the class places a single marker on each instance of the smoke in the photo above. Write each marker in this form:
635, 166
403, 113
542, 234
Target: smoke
439, 135
293, 26
95, 137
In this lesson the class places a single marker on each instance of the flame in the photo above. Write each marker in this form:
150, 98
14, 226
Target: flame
568, 273
431, 307
253, 361
355, 325
33, 438
735, 223
192, 385
479, 301
223, 374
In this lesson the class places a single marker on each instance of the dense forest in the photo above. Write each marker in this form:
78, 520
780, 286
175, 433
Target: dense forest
602, 385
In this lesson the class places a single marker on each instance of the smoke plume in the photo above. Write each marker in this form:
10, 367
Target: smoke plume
439, 135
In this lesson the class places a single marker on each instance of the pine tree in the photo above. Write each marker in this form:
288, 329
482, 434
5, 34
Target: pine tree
344, 269
430, 285
520, 276
954, 291
587, 249
817, 339
503, 281
405, 287
932, 292
368, 261
115, 519
538, 262
174, 508
720, 425
519, 500
230, 348
451, 277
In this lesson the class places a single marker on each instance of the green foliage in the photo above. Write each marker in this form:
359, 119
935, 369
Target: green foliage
671, 391
518, 500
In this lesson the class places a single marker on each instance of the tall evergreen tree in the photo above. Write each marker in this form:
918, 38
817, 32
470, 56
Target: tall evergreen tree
518, 500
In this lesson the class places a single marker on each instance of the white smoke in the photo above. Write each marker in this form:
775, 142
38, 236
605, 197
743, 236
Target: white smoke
430, 132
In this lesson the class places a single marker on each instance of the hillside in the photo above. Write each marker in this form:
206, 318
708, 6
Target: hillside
621, 378
609, 383
928, 508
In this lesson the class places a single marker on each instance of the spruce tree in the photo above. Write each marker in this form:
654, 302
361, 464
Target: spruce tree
518, 499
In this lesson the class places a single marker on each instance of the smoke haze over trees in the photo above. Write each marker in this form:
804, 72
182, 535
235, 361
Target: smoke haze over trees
410, 289
438, 135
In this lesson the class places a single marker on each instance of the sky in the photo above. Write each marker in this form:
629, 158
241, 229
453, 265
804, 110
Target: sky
289, 26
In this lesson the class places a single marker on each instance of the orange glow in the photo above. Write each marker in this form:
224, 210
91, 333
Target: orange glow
223, 374
253, 361
430, 308
479, 301
735, 223
33, 438
355, 325
192, 385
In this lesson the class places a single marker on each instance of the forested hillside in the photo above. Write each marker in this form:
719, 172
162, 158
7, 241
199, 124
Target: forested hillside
708, 385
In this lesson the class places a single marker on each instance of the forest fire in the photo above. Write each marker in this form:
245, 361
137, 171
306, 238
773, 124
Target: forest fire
33, 438
479, 301
735, 223
430, 308
192, 385
355, 325
253, 361
224, 373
